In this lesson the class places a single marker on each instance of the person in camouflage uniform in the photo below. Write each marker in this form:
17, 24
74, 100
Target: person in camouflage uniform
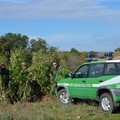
23, 83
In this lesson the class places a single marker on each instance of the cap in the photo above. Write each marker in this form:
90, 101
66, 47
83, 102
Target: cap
24, 64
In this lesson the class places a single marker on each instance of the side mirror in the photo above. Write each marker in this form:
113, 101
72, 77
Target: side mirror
71, 75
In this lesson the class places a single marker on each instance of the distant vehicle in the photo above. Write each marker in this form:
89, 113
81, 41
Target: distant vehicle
96, 80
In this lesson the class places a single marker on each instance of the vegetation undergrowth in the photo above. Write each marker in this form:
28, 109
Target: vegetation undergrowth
50, 109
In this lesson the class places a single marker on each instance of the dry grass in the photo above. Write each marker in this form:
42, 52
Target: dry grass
50, 109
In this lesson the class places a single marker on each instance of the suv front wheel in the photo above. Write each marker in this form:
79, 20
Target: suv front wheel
106, 103
64, 97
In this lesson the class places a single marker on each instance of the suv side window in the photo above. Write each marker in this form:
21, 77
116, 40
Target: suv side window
81, 72
112, 69
96, 70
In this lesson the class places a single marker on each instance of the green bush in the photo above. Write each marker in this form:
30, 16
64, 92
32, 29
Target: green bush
40, 65
19, 84
41, 70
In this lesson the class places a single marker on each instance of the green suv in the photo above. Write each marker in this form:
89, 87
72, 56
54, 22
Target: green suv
96, 80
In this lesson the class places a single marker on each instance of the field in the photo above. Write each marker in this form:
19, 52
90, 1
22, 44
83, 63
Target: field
50, 109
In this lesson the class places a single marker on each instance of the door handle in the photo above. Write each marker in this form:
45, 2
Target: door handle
101, 81
83, 81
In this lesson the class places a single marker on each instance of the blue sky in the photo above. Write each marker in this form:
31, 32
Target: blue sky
87, 25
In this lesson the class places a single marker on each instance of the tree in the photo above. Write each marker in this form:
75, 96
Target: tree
19, 80
53, 54
117, 50
38, 44
41, 70
11, 41
52, 49
75, 51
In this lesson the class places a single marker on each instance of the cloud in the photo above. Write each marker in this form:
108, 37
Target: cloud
53, 9
82, 42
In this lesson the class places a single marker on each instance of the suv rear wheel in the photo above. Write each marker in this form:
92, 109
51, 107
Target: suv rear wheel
64, 97
106, 103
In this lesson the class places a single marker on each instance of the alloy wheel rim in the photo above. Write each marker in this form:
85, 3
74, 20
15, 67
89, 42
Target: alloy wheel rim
106, 104
64, 98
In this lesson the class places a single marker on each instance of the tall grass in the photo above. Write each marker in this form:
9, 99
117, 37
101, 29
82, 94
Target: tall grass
50, 109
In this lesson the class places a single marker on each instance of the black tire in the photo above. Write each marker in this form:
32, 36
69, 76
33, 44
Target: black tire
106, 103
63, 96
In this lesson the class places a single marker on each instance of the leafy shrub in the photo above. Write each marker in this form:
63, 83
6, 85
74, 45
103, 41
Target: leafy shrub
40, 65
19, 83
41, 70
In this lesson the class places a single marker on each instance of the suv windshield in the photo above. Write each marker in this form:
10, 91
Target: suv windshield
81, 72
